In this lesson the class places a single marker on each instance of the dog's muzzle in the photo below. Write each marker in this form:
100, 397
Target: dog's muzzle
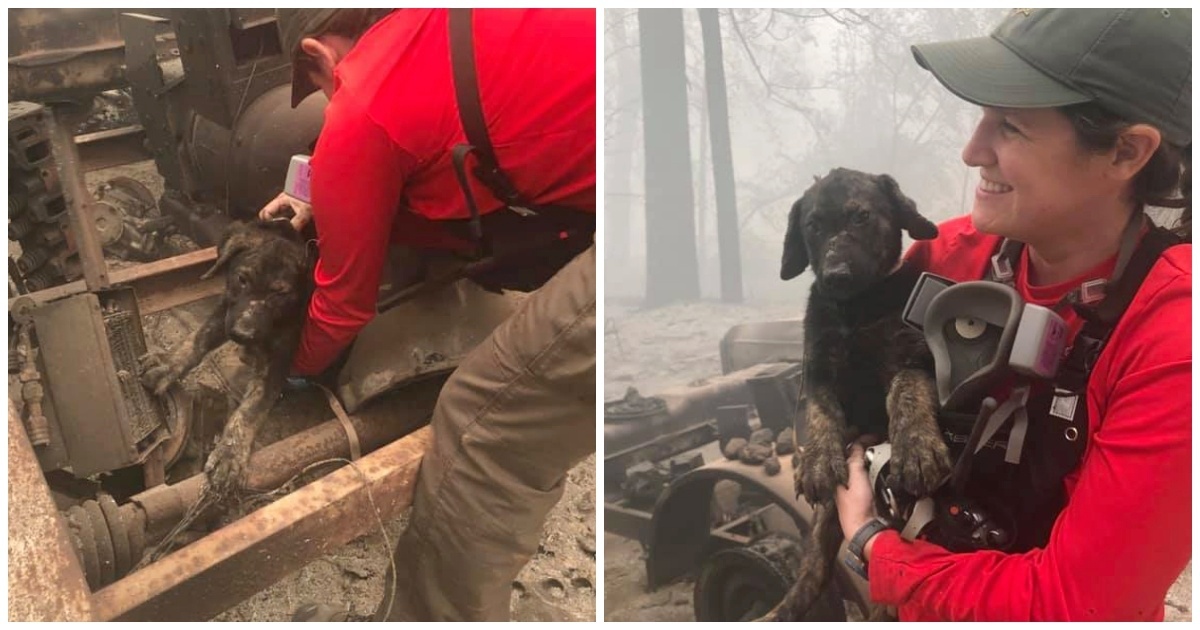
839, 281
248, 323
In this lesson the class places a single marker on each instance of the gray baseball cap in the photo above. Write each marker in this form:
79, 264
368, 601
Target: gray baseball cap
1136, 63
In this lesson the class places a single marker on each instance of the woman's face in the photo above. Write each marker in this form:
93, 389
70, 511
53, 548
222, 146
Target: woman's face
1035, 181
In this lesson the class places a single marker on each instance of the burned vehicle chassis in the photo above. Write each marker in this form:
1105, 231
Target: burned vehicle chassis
735, 528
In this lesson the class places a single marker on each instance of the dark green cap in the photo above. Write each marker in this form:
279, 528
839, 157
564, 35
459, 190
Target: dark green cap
1136, 63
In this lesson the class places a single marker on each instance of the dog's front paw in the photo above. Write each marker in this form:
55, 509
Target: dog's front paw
226, 467
920, 462
160, 371
822, 469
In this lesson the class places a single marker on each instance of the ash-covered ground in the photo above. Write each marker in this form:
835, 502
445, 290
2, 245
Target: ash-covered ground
653, 349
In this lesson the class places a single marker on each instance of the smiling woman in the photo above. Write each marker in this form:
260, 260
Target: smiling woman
1086, 121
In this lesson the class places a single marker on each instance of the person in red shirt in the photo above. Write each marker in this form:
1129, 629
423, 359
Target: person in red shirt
519, 411
1086, 120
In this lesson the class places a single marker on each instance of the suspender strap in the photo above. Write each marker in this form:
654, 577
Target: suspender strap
470, 109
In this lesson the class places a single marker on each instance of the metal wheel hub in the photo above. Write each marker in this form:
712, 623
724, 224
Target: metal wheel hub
743, 583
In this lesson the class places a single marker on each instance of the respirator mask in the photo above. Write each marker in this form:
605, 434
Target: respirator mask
981, 334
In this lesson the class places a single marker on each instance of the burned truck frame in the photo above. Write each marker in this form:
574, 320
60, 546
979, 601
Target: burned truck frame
735, 528
210, 88
92, 487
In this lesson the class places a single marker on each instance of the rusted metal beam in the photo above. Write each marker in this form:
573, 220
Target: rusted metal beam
155, 282
112, 147
627, 522
174, 289
79, 203
234, 562
66, 73
45, 580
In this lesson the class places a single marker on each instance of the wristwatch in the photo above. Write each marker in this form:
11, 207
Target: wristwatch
858, 542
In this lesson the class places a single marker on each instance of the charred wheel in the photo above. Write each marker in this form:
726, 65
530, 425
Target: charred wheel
744, 583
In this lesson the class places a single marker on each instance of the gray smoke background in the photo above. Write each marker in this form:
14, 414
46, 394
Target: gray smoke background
808, 90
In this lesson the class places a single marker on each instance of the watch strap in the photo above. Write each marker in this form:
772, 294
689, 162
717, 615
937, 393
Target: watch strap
859, 541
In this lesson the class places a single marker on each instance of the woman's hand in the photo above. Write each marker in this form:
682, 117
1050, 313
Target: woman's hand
279, 206
856, 503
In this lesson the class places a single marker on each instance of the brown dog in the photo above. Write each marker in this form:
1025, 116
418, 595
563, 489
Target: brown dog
865, 371
268, 283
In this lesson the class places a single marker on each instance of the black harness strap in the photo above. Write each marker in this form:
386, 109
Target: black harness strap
523, 247
1100, 320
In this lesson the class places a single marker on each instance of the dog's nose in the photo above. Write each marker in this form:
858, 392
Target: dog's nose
838, 276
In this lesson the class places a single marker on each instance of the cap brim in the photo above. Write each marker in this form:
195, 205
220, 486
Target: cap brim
302, 86
985, 72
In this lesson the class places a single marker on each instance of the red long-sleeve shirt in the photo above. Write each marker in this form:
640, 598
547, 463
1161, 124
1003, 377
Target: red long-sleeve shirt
1125, 534
383, 156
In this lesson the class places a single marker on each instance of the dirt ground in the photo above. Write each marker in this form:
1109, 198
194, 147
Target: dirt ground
665, 347
558, 583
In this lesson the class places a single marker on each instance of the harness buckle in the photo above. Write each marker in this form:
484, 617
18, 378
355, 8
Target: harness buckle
1002, 268
1063, 404
1093, 291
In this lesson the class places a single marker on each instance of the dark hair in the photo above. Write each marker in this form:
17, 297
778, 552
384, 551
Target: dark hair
348, 23
351, 23
1166, 179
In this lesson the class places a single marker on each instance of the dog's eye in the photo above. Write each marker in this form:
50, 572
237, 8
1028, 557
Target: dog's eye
860, 218
242, 280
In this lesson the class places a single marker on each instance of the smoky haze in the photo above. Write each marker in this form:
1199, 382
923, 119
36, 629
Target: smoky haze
807, 90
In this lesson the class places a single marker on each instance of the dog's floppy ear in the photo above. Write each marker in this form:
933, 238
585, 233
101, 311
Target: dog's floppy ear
917, 226
236, 240
795, 254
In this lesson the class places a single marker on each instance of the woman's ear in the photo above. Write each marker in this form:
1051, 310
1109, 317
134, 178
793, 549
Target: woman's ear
1135, 146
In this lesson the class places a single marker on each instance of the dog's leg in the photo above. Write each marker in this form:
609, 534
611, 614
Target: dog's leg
815, 567
823, 460
226, 465
920, 458
159, 373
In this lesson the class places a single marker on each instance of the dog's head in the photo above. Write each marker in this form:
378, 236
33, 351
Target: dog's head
847, 227
267, 279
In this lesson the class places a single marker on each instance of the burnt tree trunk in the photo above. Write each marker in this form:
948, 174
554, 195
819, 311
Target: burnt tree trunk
620, 144
728, 245
671, 269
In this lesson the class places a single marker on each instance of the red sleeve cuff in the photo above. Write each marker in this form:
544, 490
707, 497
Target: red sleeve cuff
890, 577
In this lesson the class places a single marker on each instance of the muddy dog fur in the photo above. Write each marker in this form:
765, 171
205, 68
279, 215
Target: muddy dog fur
865, 372
268, 282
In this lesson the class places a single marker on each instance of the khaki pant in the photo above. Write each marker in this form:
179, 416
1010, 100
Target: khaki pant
515, 416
